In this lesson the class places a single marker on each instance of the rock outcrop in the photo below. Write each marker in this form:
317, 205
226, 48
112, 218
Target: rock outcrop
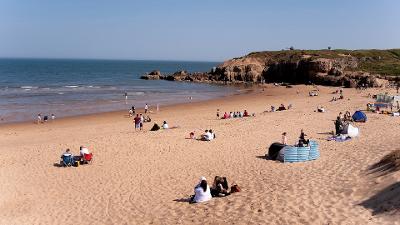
327, 67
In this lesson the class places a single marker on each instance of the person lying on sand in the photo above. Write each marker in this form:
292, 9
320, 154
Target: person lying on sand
220, 187
320, 109
202, 192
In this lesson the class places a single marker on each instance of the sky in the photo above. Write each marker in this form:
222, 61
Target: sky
203, 30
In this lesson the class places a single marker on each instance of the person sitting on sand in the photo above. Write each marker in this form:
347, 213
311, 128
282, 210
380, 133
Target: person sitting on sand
202, 192
320, 109
155, 127
67, 153
212, 134
226, 116
281, 107
302, 139
339, 126
273, 108
207, 136
347, 116
83, 150
220, 187
231, 115
147, 119
240, 114
165, 125
284, 138
235, 115
245, 113
289, 106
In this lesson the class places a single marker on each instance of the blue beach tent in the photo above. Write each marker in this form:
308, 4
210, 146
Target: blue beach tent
359, 116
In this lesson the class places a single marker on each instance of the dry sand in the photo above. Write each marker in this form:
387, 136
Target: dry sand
146, 177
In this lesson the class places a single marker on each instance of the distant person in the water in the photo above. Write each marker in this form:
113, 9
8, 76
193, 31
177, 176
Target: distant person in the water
146, 108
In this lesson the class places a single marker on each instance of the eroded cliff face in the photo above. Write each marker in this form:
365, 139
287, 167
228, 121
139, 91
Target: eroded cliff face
296, 67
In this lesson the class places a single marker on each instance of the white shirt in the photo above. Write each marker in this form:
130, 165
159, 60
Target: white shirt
146, 107
200, 195
84, 151
165, 126
208, 136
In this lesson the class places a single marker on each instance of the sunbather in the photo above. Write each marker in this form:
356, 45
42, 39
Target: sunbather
202, 192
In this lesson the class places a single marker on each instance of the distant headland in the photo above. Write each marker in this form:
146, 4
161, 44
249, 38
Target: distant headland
339, 67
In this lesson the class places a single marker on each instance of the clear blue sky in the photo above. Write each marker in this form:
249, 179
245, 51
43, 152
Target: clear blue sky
191, 30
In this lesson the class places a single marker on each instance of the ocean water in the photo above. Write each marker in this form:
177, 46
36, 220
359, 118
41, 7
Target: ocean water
67, 87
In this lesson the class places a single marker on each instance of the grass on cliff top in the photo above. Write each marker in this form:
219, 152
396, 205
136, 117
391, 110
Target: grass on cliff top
375, 61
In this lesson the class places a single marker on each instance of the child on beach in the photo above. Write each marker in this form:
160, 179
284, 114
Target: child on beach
146, 108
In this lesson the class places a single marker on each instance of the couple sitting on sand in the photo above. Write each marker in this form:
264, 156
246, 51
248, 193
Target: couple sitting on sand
220, 188
208, 135
68, 159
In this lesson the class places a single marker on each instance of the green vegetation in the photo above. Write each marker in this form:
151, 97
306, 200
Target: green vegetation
374, 61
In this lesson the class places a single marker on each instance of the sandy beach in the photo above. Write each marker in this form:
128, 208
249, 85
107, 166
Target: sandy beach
143, 177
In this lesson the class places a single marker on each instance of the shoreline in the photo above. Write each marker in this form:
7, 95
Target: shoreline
241, 90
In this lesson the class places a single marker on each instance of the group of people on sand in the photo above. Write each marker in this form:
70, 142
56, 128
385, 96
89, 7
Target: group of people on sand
220, 188
237, 114
342, 120
68, 159
341, 95
282, 107
139, 120
45, 118
302, 141
164, 126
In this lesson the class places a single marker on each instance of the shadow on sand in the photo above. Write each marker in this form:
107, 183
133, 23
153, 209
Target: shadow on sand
385, 201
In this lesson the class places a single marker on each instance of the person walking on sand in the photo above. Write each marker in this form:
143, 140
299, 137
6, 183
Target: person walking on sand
146, 108
217, 113
284, 138
137, 122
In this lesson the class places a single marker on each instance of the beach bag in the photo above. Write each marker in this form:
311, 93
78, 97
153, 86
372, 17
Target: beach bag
235, 188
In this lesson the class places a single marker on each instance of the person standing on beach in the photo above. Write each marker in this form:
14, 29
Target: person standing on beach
217, 113
133, 110
146, 108
53, 117
141, 121
137, 122
39, 118
284, 138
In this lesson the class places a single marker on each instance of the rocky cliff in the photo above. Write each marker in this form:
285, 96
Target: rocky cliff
328, 67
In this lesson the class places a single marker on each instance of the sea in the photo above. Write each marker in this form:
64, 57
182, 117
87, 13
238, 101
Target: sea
70, 87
